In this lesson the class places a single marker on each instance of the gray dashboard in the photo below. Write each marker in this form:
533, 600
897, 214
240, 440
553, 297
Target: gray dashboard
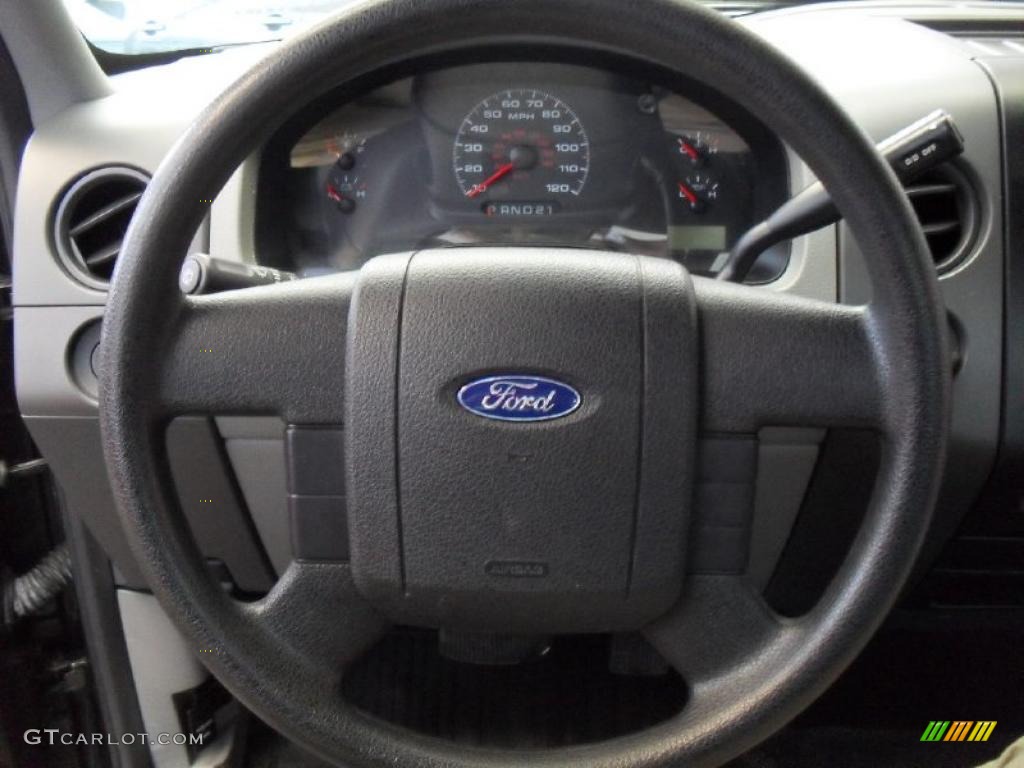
910, 71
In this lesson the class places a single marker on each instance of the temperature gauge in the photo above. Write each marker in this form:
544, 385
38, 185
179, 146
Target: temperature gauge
699, 191
347, 149
695, 148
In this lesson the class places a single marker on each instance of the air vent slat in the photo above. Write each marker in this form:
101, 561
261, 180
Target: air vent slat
105, 213
92, 217
102, 258
940, 227
920, 190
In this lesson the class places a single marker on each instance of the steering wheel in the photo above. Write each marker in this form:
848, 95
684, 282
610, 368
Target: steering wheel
597, 524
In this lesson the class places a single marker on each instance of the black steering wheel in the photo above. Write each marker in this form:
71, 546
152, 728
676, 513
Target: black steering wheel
597, 530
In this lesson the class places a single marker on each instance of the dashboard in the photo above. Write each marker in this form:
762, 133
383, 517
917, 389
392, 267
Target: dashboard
516, 153
408, 185
537, 153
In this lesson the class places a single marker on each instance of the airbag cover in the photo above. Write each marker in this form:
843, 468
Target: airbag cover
564, 508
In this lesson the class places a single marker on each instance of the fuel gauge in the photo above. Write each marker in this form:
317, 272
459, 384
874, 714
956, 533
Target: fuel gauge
699, 191
345, 186
346, 190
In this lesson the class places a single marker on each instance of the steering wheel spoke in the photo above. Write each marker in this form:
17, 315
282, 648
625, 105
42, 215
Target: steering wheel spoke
774, 359
276, 349
315, 610
719, 621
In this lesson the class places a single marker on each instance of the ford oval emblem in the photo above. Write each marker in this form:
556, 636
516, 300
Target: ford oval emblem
519, 398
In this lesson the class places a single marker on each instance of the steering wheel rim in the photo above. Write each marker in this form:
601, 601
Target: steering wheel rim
272, 654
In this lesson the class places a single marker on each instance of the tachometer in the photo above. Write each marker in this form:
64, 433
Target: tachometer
524, 146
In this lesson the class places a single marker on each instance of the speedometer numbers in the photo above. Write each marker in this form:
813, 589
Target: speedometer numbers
521, 152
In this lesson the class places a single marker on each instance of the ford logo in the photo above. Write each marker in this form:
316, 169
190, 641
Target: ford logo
519, 398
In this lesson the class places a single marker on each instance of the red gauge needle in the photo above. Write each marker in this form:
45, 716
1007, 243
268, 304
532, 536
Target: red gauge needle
689, 150
483, 185
688, 193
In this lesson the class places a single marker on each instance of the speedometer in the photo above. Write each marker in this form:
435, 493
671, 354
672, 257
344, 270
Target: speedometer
523, 148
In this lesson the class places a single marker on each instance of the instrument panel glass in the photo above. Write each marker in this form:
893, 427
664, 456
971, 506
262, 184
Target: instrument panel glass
516, 154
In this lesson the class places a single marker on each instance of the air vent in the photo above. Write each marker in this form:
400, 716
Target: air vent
91, 219
946, 207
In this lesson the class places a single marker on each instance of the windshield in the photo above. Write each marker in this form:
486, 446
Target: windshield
157, 26
154, 26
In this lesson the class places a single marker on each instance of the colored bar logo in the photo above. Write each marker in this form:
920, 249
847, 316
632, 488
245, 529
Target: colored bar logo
958, 730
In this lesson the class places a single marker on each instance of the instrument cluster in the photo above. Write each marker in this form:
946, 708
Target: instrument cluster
516, 154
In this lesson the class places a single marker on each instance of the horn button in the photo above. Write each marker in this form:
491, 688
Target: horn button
520, 437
